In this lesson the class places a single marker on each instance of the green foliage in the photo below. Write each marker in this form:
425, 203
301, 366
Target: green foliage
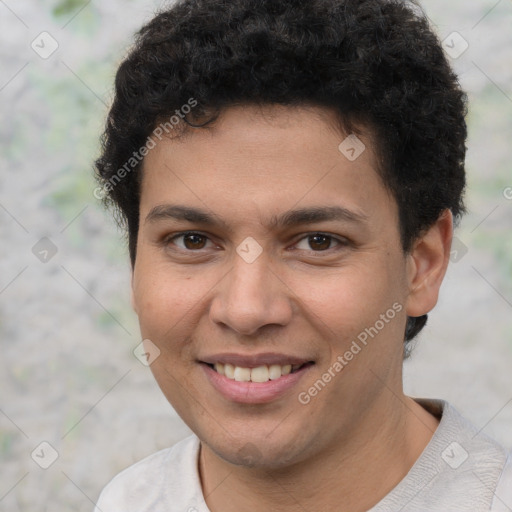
489, 175
68, 7
78, 16
6, 442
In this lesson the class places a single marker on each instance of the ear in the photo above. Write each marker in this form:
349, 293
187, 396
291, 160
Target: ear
426, 265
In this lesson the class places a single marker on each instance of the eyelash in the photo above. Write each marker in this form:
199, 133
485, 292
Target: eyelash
341, 241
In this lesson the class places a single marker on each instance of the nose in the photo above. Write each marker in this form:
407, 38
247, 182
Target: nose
251, 296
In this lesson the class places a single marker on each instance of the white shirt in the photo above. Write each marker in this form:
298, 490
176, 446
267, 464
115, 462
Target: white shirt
460, 470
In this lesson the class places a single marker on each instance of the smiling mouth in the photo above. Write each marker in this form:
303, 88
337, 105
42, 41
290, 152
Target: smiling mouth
262, 373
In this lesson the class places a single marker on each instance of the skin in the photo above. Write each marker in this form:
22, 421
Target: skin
358, 437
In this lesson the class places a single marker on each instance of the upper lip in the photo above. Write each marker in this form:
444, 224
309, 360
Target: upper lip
254, 360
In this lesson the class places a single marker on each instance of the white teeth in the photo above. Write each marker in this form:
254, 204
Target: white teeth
229, 371
260, 374
285, 370
242, 374
274, 371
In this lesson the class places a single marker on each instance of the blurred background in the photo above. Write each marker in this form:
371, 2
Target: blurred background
68, 375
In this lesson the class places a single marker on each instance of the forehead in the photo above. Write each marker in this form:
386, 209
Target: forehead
256, 162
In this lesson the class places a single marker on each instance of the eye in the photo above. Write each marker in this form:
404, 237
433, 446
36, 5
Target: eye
191, 240
319, 242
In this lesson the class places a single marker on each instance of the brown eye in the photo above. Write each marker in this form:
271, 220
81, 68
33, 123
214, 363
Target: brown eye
194, 241
190, 241
319, 242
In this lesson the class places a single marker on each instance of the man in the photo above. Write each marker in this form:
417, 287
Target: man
289, 174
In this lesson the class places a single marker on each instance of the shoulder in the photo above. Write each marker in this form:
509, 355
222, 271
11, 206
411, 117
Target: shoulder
153, 481
474, 463
459, 470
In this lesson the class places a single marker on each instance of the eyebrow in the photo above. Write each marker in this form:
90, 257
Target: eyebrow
287, 219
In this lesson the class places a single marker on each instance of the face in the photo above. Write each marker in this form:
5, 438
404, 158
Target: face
265, 257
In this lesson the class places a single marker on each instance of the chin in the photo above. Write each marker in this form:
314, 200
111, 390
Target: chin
254, 451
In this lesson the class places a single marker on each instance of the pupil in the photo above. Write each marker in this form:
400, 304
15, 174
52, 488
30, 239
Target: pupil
194, 238
324, 245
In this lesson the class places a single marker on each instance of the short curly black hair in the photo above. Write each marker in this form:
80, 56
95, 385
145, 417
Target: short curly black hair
376, 63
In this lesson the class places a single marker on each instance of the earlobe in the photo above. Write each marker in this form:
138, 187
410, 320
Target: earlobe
427, 264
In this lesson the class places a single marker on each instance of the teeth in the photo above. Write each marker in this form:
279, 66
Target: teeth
274, 372
260, 374
219, 368
285, 370
229, 371
242, 374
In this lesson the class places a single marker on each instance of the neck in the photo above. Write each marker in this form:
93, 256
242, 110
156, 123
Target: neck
358, 470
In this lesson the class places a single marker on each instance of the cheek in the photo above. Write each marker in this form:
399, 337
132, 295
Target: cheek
162, 300
165, 305
346, 302
171, 303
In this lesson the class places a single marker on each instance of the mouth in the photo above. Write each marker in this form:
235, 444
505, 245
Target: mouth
260, 374
254, 379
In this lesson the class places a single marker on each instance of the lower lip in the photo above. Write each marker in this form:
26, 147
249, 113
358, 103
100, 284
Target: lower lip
253, 392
